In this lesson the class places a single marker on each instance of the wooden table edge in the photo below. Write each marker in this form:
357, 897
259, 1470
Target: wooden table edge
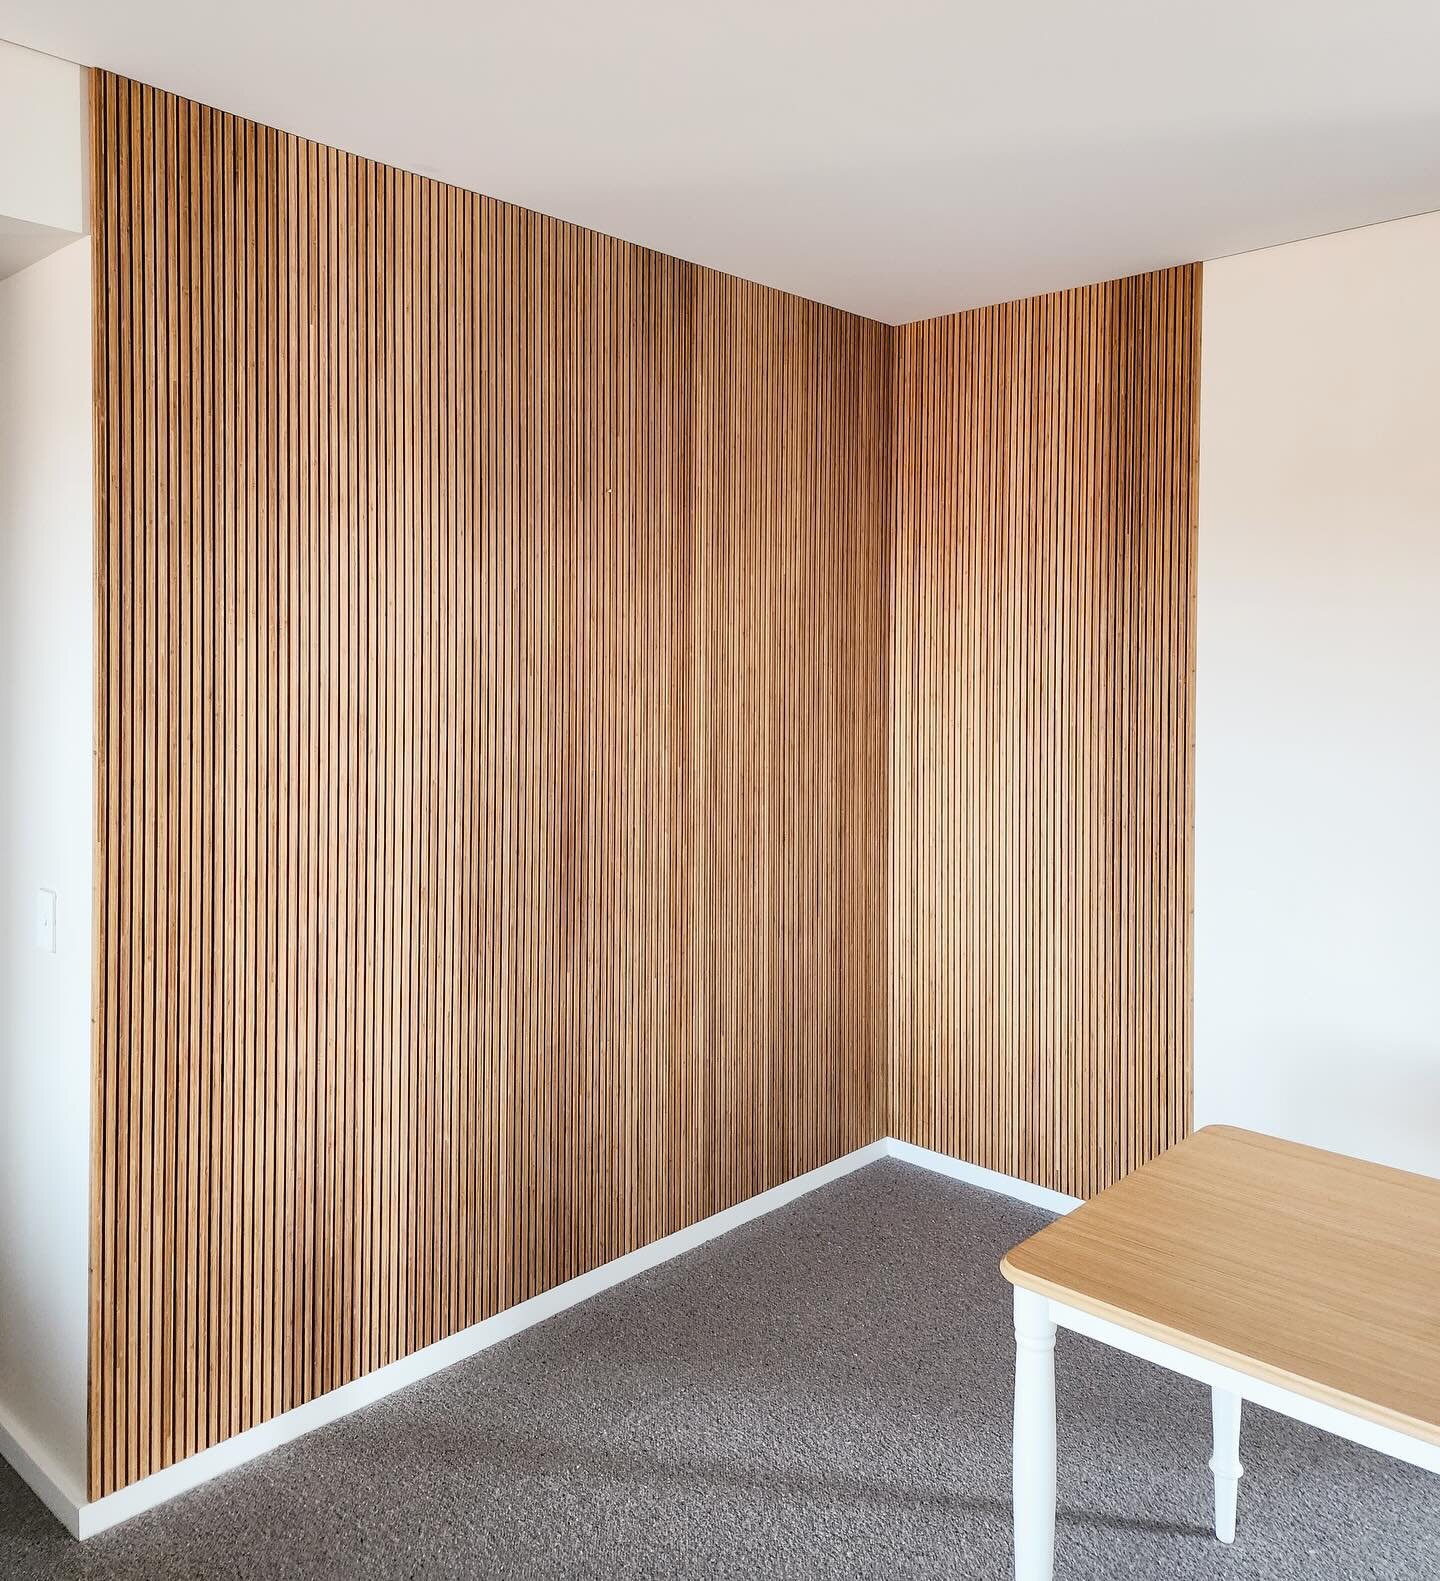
1366, 1410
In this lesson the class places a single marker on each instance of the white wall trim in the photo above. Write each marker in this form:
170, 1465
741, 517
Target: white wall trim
51, 1486
986, 1179
87, 1519
84, 1519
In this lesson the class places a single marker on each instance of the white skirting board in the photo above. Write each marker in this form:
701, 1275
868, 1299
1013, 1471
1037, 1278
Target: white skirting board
85, 1519
986, 1179
51, 1486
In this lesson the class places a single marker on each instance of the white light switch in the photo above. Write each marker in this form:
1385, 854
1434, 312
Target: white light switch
45, 920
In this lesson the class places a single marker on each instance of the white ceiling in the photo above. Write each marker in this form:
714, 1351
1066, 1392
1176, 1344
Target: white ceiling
896, 157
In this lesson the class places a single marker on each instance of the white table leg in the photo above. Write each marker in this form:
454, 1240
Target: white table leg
1225, 1462
1033, 1489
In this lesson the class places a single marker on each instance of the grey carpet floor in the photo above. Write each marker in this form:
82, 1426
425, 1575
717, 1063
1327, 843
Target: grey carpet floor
823, 1393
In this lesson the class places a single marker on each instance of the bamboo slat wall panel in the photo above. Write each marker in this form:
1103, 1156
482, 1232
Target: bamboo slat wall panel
492, 770
1041, 760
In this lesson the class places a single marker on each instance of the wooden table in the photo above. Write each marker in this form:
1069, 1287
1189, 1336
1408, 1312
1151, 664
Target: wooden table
1301, 1280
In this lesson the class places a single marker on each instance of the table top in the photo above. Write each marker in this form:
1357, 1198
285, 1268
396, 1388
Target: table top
1310, 1270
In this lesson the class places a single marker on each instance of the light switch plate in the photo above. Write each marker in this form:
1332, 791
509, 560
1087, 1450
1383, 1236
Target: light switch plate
45, 920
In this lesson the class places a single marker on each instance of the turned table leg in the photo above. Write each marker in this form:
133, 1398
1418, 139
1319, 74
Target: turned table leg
1225, 1462
1033, 1491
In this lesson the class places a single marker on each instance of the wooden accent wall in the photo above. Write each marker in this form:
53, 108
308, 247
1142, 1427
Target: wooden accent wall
1042, 726
492, 775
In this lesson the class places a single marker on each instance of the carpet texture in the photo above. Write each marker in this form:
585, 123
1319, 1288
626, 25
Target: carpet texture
823, 1393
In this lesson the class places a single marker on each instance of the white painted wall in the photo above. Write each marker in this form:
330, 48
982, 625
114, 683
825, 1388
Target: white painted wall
43, 140
1317, 930
46, 829
44, 160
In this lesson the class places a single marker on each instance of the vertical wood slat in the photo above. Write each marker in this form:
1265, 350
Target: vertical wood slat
1042, 730
492, 623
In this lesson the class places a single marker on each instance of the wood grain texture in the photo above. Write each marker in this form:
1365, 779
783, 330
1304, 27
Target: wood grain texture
492, 775
1310, 1270
1041, 730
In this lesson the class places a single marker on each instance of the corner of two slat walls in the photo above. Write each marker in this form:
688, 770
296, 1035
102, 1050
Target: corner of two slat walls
497, 738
